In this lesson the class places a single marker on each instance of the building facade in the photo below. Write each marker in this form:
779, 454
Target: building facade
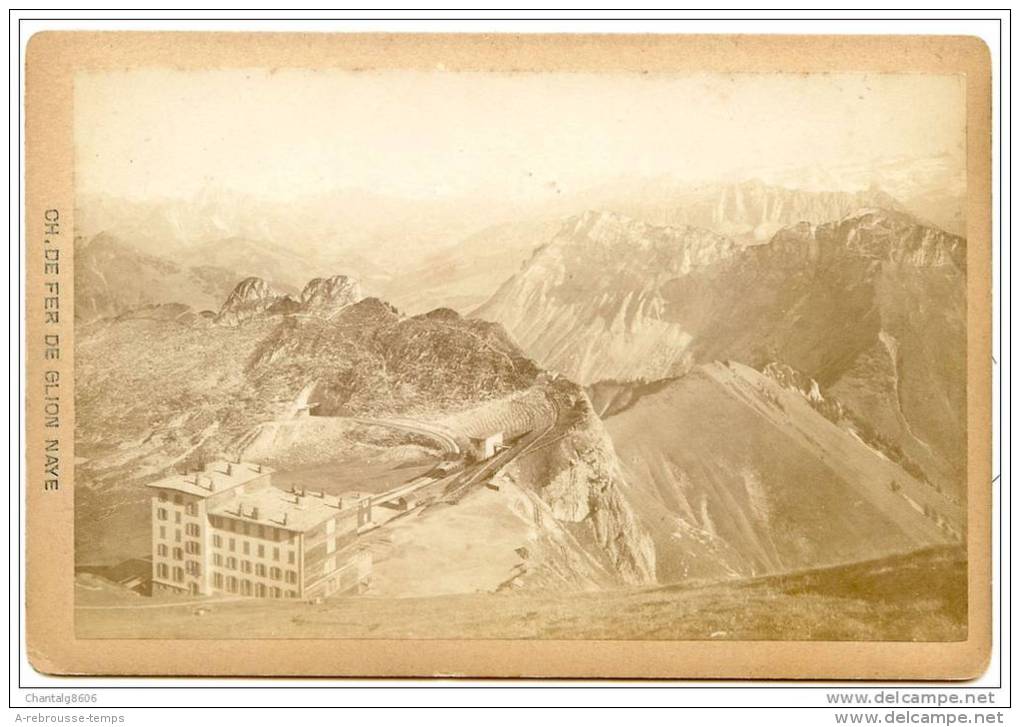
228, 530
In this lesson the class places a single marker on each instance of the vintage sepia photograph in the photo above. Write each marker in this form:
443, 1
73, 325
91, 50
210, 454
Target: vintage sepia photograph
436, 354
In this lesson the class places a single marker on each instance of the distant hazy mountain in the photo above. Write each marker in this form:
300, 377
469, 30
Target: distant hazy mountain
111, 277
932, 188
453, 252
871, 306
589, 303
749, 211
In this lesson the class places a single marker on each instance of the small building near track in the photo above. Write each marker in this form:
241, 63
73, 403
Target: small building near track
485, 446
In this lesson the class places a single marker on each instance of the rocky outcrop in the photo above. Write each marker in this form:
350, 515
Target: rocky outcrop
249, 298
254, 297
326, 296
578, 478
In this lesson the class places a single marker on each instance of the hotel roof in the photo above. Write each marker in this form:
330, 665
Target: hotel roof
297, 511
215, 477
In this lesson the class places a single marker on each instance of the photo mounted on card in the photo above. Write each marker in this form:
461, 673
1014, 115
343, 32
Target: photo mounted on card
508, 355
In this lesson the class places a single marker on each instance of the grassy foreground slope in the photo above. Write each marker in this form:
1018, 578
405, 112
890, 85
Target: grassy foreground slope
921, 596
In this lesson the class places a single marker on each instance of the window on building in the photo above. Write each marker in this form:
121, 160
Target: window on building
291, 594
193, 530
246, 547
178, 554
291, 576
177, 535
261, 530
217, 541
246, 566
291, 558
232, 584
244, 528
162, 497
233, 545
275, 574
274, 592
214, 521
260, 590
217, 559
246, 588
262, 551
217, 580
178, 499
161, 513
192, 508
192, 547
276, 554
178, 574
260, 570
163, 570
232, 563
161, 549
177, 516
193, 568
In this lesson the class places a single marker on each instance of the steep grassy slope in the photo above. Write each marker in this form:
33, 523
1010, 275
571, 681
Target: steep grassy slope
920, 596
736, 476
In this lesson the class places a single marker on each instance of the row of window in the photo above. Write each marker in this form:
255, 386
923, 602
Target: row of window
260, 549
191, 508
247, 588
190, 547
246, 566
165, 572
163, 514
162, 534
243, 528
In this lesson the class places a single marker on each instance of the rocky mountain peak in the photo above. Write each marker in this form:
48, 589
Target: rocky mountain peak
328, 295
254, 297
680, 248
249, 298
877, 233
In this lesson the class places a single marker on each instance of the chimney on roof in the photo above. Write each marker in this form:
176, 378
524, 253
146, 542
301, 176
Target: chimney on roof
255, 513
230, 469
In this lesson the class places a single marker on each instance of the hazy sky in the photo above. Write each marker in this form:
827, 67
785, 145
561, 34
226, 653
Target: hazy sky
151, 133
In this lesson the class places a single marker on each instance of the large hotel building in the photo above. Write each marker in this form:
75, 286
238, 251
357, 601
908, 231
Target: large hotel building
228, 530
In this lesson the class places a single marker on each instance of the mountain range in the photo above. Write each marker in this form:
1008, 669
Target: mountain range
871, 306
